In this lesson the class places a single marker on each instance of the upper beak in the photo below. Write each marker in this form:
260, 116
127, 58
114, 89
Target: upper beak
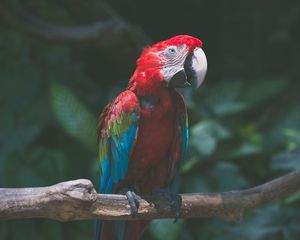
199, 66
193, 71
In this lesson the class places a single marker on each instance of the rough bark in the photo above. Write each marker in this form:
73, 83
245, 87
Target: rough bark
77, 200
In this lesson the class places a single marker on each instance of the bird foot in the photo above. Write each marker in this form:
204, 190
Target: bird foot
133, 201
174, 200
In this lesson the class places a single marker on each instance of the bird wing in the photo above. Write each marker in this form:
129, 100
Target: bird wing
117, 131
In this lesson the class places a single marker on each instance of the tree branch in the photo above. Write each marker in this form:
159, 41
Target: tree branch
76, 200
101, 32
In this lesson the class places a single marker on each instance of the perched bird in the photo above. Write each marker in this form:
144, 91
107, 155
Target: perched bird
143, 132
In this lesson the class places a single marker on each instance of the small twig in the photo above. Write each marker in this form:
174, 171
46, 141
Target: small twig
77, 200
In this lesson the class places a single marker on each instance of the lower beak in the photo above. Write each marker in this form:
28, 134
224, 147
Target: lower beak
179, 80
193, 71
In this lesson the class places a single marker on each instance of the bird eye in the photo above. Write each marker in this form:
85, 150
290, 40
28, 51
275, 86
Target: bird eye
172, 50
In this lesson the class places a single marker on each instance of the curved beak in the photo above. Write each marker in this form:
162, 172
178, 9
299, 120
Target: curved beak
192, 72
199, 66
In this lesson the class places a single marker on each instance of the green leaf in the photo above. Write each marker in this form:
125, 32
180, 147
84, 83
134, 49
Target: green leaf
287, 160
166, 229
263, 89
73, 115
195, 183
293, 198
288, 120
49, 164
206, 134
246, 149
186, 166
26, 177
17, 138
228, 177
224, 98
271, 222
234, 96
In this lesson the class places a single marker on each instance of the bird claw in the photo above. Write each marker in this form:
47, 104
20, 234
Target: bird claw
174, 200
133, 202
175, 206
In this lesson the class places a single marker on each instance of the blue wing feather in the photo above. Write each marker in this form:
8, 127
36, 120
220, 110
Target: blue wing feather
114, 163
118, 130
117, 134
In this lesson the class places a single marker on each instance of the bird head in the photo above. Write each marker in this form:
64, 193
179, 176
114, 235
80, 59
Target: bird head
174, 63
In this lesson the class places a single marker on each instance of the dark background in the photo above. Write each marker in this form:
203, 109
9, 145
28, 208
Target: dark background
56, 75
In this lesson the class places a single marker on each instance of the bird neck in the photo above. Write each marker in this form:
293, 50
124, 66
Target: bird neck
148, 83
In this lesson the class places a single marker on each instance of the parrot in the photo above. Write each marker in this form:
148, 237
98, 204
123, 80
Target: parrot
143, 132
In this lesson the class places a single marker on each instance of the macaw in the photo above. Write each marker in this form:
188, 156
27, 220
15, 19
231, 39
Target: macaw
143, 132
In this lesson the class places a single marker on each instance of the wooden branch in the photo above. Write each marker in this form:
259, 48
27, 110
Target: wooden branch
76, 200
101, 32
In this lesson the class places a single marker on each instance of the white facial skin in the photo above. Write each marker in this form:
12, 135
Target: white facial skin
173, 59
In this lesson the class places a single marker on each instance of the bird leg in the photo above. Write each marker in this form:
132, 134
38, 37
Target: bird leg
133, 201
174, 200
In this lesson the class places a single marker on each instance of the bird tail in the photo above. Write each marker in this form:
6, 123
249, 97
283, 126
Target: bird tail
120, 230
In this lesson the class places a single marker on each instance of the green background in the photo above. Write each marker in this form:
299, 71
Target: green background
244, 120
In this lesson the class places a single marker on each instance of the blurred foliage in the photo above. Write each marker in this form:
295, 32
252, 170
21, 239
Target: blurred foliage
244, 120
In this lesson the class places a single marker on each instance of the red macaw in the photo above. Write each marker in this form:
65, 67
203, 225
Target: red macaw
143, 133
